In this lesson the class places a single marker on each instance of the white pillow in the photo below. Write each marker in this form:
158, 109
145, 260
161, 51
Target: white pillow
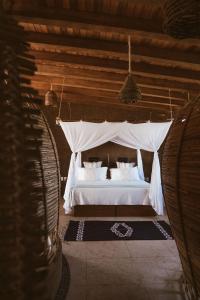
115, 174
124, 174
91, 173
94, 164
125, 165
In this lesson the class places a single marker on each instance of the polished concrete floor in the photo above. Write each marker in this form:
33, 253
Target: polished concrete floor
123, 270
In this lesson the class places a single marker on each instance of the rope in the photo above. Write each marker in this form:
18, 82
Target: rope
70, 113
188, 96
61, 98
129, 54
170, 105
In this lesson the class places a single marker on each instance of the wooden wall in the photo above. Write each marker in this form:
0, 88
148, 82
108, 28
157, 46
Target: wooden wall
94, 114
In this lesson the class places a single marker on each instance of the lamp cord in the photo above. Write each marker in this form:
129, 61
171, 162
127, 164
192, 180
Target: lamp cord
70, 113
170, 104
61, 98
188, 96
129, 54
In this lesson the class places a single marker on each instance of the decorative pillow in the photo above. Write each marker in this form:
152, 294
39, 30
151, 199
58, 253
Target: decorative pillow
123, 159
94, 164
92, 173
124, 174
125, 165
93, 158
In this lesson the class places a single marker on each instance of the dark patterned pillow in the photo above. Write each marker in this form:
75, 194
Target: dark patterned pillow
123, 159
93, 159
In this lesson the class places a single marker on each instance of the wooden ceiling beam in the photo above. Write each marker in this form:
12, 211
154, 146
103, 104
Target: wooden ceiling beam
87, 20
146, 102
138, 28
136, 107
115, 65
100, 48
102, 76
108, 88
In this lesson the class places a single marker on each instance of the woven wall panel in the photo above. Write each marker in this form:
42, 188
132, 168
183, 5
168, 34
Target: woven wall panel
29, 178
181, 185
48, 173
182, 18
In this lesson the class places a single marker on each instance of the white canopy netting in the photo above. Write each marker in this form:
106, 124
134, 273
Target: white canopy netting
83, 136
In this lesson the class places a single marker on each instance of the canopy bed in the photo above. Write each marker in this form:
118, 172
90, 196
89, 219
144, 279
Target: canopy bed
124, 190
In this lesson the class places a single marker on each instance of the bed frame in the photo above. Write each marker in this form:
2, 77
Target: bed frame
114, 211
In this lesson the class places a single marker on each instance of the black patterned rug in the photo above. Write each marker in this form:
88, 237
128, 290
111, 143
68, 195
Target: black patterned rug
117, 230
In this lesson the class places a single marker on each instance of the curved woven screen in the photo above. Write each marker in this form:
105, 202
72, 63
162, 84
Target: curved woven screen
48, 173
29, 179
181, 185
182, 18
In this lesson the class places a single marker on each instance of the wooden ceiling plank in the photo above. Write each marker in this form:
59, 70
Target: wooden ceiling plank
115, 25
115, 65
85, 99
106, 86
156, 67
47, 68
87, 20
147, 101
112, 48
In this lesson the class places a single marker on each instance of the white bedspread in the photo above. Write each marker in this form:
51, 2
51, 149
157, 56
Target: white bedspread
109, 192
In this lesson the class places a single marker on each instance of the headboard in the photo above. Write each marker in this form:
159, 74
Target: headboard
109, 153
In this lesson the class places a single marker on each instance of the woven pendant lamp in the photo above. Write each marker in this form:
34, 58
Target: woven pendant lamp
182, 18
51, 98
130, 92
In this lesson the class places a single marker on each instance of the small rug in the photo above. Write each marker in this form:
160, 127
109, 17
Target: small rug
117, 230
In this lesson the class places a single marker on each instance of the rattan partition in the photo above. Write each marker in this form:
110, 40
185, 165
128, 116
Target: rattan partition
182, 18
30, 249
181, 185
